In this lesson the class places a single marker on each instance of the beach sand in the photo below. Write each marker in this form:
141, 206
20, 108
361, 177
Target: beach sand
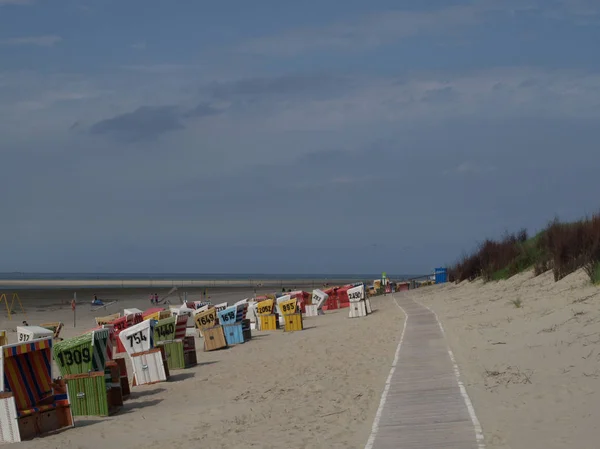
319, 388
528, 350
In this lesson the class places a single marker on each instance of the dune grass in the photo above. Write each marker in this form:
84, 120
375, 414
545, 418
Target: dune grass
560, 247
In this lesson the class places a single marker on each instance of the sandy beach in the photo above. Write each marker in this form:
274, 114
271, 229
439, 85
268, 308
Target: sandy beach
319, 388
528, 350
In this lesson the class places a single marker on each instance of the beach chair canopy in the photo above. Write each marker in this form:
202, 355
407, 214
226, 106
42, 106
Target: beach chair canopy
319, 298
30, 333
27, 373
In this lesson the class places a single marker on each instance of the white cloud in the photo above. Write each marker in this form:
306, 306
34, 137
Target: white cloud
41, 41
360, 106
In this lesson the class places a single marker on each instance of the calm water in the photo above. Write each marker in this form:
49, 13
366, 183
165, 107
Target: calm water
193, 276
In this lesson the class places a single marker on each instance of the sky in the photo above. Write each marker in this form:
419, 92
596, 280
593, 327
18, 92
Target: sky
290, 137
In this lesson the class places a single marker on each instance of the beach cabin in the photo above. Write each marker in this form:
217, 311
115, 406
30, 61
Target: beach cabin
32, 404
441, 275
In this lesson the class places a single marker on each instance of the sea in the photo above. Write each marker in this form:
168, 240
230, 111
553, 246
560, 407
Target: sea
196, 278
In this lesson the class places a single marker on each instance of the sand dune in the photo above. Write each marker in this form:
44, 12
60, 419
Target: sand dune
318, 388
529, 351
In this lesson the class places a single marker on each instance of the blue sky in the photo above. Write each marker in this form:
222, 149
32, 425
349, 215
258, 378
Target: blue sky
286, 137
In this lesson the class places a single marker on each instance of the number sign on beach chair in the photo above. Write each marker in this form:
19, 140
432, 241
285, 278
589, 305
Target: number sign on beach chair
279, 301
30, 333
206, 319
288, 307
164, 330
319, 298
360, 306
227, 316
138, 338
265, 307
266, 319
180, 350
356, 294
199, 304
31, 404
221, 306
123, 323
75, 355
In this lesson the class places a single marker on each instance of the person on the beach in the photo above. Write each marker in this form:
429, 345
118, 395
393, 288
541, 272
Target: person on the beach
155, 298
151, 298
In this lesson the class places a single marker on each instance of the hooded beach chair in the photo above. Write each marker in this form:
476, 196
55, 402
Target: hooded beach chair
82, 362
180, 349
101, 320
149, 363
55, 327
32, 403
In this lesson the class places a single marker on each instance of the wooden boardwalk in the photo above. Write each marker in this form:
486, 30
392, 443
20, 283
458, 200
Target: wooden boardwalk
423, 405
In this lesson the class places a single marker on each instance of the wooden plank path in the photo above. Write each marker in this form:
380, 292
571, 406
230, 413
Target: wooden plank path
424, 405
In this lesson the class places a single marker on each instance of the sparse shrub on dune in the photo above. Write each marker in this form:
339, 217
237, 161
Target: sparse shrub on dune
561, 247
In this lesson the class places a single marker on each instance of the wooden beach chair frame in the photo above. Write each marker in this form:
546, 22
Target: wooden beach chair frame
107, 319
55, 327
35, 404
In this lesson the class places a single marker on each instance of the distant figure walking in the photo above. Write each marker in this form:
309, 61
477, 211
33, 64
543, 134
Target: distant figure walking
155, 298
151, 298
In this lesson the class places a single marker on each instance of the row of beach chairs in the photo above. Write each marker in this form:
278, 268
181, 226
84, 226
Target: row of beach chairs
93, 375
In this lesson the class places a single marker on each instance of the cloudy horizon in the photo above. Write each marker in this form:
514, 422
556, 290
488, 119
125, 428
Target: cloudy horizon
305, 138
